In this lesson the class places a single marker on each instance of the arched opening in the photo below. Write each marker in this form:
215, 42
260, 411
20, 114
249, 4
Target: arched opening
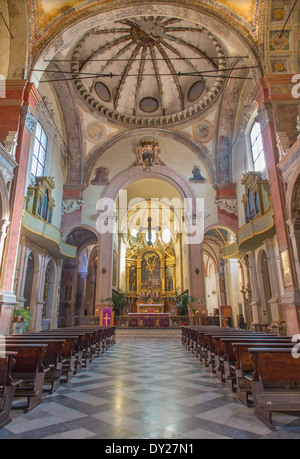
29, 283
49, 291
90, 295
74, 276
148, 260
221, 276
265, 288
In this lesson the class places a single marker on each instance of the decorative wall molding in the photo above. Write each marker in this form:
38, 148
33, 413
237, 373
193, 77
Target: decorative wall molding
265, 116
46, 109
70, 205
28, 119
230, 205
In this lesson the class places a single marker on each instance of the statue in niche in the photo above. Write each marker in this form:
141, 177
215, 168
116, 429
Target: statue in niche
101, 178
197, 177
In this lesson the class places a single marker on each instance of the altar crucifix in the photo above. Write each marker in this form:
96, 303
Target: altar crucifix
149, 229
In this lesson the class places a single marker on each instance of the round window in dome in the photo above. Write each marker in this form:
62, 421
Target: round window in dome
196, 91
134, 234
103, 91
149, 104
166, 236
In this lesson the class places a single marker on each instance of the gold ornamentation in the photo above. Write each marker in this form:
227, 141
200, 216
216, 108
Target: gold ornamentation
279, 66
278, 14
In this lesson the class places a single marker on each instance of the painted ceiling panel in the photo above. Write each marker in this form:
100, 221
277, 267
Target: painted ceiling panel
49, 10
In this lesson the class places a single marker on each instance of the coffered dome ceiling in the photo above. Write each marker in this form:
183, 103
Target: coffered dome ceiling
149, 70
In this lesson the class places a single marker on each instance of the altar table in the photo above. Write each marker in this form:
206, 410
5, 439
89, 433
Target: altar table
149, 320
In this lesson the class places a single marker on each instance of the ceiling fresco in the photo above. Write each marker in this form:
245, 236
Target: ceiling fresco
145, 70
47, 11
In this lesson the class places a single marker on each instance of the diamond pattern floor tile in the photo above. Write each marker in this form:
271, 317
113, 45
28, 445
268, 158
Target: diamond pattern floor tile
145, 389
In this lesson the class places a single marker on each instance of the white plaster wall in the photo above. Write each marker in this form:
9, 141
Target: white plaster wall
233, 287
174, 154
55, 165
211, 298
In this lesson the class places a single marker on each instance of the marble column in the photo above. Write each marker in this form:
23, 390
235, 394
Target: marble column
263, 96
275, 301
256, 299
17, 115
196, 277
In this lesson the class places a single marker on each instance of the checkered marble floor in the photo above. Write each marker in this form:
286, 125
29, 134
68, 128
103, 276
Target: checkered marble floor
145, 389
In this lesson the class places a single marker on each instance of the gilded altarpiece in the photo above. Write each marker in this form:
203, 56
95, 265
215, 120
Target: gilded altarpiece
151, 274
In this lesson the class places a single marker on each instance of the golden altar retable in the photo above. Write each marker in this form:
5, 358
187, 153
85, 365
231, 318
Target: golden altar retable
150, 308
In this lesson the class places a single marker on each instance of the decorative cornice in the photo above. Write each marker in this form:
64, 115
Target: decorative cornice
28, 119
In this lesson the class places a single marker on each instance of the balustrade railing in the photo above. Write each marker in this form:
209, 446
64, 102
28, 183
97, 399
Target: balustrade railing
175, 322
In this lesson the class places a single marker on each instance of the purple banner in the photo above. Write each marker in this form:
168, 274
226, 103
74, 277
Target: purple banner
106, 320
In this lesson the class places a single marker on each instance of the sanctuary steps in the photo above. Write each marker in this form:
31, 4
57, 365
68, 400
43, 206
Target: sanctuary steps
130, 334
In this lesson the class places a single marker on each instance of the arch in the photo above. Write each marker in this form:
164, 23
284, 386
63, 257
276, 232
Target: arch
194, 254
196, 147
230, 230
125, 178
69, 231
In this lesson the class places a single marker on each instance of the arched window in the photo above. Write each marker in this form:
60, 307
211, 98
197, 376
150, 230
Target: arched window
257, 148
39, 152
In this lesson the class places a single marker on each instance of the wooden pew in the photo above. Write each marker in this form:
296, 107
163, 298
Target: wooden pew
7, 386
275, 383
223, 351
229, 357
71, 352
208, 349
106, 334
52, 361
244, 366
29, 370
84, 347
